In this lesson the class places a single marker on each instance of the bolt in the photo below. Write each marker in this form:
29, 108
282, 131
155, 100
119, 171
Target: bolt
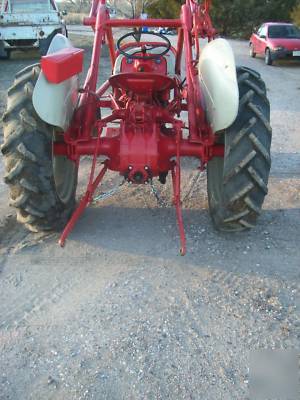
130, 167
146, 168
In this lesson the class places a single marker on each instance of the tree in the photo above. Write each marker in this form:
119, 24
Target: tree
138, 7
80, 5
233, 17
296, 15
239, 17
165, 9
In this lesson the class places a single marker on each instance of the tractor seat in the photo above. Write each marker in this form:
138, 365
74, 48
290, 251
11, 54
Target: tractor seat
170, 58
142, 82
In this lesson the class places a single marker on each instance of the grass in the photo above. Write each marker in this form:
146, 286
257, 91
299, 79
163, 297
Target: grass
85, 42
74, 18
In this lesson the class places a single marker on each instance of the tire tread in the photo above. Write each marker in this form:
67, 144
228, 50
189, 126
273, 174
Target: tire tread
27, 152
243, 183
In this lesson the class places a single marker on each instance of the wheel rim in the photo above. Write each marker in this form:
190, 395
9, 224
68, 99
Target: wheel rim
267, 56
65, 175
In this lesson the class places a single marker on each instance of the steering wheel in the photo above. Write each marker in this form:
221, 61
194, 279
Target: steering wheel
144, 48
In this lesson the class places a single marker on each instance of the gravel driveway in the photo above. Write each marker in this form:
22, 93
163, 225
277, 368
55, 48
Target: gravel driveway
118, 314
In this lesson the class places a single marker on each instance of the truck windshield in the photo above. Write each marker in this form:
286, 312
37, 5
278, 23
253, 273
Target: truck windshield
284, 32
26, 6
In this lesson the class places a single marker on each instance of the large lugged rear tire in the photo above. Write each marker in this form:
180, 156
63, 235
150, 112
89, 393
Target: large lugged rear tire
42, 186
237, 183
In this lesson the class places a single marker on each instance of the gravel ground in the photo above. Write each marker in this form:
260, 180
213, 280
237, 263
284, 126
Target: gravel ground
118, 314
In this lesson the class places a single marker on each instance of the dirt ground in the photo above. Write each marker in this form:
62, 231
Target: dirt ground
118, 314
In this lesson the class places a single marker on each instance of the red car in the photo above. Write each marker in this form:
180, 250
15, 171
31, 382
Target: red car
276, 40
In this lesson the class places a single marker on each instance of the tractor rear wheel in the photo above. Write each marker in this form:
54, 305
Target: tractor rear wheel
237, 183
42, 186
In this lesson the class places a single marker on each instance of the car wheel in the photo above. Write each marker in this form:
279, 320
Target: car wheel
252, 52
268, 57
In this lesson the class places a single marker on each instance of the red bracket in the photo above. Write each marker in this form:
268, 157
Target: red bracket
176, 179
62, 65
88, 197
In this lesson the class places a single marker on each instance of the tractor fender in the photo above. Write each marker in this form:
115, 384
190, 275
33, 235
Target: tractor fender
218, 81
55, 102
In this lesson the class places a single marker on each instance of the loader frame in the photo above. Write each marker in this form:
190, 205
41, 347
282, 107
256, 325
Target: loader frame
166, 150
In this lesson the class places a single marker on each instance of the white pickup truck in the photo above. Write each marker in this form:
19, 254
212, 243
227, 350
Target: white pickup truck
26, 24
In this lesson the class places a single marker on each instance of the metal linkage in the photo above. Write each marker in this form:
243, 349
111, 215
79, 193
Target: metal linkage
88, 197
176, 178
108, 194
159, 200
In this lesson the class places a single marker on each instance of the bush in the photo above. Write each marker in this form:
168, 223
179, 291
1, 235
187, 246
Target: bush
74, 18
165, 9
75, 7
296, 15
235, 18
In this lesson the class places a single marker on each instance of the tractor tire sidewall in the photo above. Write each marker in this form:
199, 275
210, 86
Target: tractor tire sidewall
237, 183
28, 158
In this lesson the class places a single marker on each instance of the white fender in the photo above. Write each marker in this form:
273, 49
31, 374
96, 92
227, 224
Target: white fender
218, 80
55, 103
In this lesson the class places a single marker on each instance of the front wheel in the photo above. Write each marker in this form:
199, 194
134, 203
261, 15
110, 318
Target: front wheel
238, 183
4, 53
268, 57
45, 43
251, 51
42, 185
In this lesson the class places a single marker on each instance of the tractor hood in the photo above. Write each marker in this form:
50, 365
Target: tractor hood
288, 44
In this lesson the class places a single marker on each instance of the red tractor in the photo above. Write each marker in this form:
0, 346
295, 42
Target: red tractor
50, 122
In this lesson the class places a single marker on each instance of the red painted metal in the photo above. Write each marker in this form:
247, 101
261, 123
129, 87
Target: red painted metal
176, 179
142, 83
147, 138
127, 23
62, 65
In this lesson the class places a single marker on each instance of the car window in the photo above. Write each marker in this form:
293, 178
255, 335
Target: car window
263, 31
259, 30
24, 6
284, 32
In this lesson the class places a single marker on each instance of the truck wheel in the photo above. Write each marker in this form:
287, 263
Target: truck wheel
45, 43
4, 53
237, 183
42, 186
